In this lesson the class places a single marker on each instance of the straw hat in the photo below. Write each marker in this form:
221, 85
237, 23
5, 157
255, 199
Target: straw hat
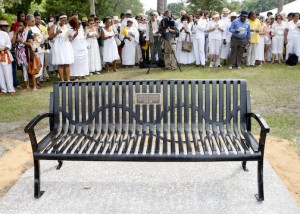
3, 23
225, 10
84, 19
128, 12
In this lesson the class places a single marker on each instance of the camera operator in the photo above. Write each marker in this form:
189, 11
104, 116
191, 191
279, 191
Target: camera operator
169, 33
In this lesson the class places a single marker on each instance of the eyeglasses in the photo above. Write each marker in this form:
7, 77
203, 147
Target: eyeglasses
278, 18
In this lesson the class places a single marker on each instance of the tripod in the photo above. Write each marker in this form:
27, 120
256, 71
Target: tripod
172, 52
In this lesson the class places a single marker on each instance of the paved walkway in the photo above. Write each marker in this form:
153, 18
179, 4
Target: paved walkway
111, 187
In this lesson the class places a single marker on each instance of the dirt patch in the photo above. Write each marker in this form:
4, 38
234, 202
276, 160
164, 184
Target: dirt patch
17, 158
286, 162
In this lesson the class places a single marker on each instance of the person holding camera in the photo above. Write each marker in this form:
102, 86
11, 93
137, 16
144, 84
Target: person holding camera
169, 33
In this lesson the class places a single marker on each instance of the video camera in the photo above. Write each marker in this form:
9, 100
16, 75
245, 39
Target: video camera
167, 22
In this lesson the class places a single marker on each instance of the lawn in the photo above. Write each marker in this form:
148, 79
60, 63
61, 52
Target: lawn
274, 92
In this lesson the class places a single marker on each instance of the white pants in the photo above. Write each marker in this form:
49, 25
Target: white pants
199, 46
42, 57
277, 44
214, 47
251, 54
6, 78
225, 51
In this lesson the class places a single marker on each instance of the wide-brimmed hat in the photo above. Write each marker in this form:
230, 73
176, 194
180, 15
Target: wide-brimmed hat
3, 23
233, 14
244, 13
84, 19
225, 10
115, 18
128, 12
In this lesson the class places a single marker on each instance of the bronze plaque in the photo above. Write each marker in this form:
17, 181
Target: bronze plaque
148, 99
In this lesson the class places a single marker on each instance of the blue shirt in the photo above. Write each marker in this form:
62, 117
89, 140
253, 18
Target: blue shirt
236, 24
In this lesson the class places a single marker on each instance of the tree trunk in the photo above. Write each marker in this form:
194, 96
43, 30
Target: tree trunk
280, 4
166, 5
161, 6
92, 7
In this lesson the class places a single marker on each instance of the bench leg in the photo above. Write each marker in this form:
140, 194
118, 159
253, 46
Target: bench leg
60, 163
244, 165
260, 195
37, 181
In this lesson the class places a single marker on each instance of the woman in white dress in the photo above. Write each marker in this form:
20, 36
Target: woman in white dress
80, 67
215, 28
260, 52
110, 48
292, 36
130, 35
277, 32
62, 54
92, 35
185, 29
38, 39
267, 38
6, 76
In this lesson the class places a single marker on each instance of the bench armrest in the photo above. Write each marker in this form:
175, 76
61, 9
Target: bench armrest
264, 129
35, 121
261, 121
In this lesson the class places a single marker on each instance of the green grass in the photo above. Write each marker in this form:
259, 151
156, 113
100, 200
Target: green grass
274, 92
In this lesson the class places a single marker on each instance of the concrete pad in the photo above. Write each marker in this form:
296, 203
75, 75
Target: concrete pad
126, 187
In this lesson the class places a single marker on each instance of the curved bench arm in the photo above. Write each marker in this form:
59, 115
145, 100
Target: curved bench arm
30, 128
261, 121
264, 129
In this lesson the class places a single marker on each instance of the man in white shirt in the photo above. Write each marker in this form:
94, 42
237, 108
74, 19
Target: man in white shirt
198, 31
154, 38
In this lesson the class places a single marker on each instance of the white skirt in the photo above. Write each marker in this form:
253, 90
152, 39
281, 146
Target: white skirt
80, 67
94, 55
225, 50
184, 57
62, 52
260, 51
110, 51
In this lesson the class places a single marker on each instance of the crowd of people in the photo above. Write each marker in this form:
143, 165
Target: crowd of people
72, 48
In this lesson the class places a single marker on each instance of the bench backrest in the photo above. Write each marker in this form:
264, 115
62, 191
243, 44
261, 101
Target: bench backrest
179, 105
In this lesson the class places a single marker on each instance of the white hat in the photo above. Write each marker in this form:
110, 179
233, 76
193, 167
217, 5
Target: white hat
115, 18
3, 23
130, 20
232, 14
128, 12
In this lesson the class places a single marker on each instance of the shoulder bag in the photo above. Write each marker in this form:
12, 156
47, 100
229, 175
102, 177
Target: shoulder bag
187, 46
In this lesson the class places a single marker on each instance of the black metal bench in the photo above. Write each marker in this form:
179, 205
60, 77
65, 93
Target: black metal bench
176, 120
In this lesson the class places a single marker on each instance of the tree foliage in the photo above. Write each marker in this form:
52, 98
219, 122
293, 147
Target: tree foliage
13, 6
262, 5
55, 7
175, 8
116, 7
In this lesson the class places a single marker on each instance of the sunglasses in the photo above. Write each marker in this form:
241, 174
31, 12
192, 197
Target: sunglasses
91, 23
152, 15
278, 18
